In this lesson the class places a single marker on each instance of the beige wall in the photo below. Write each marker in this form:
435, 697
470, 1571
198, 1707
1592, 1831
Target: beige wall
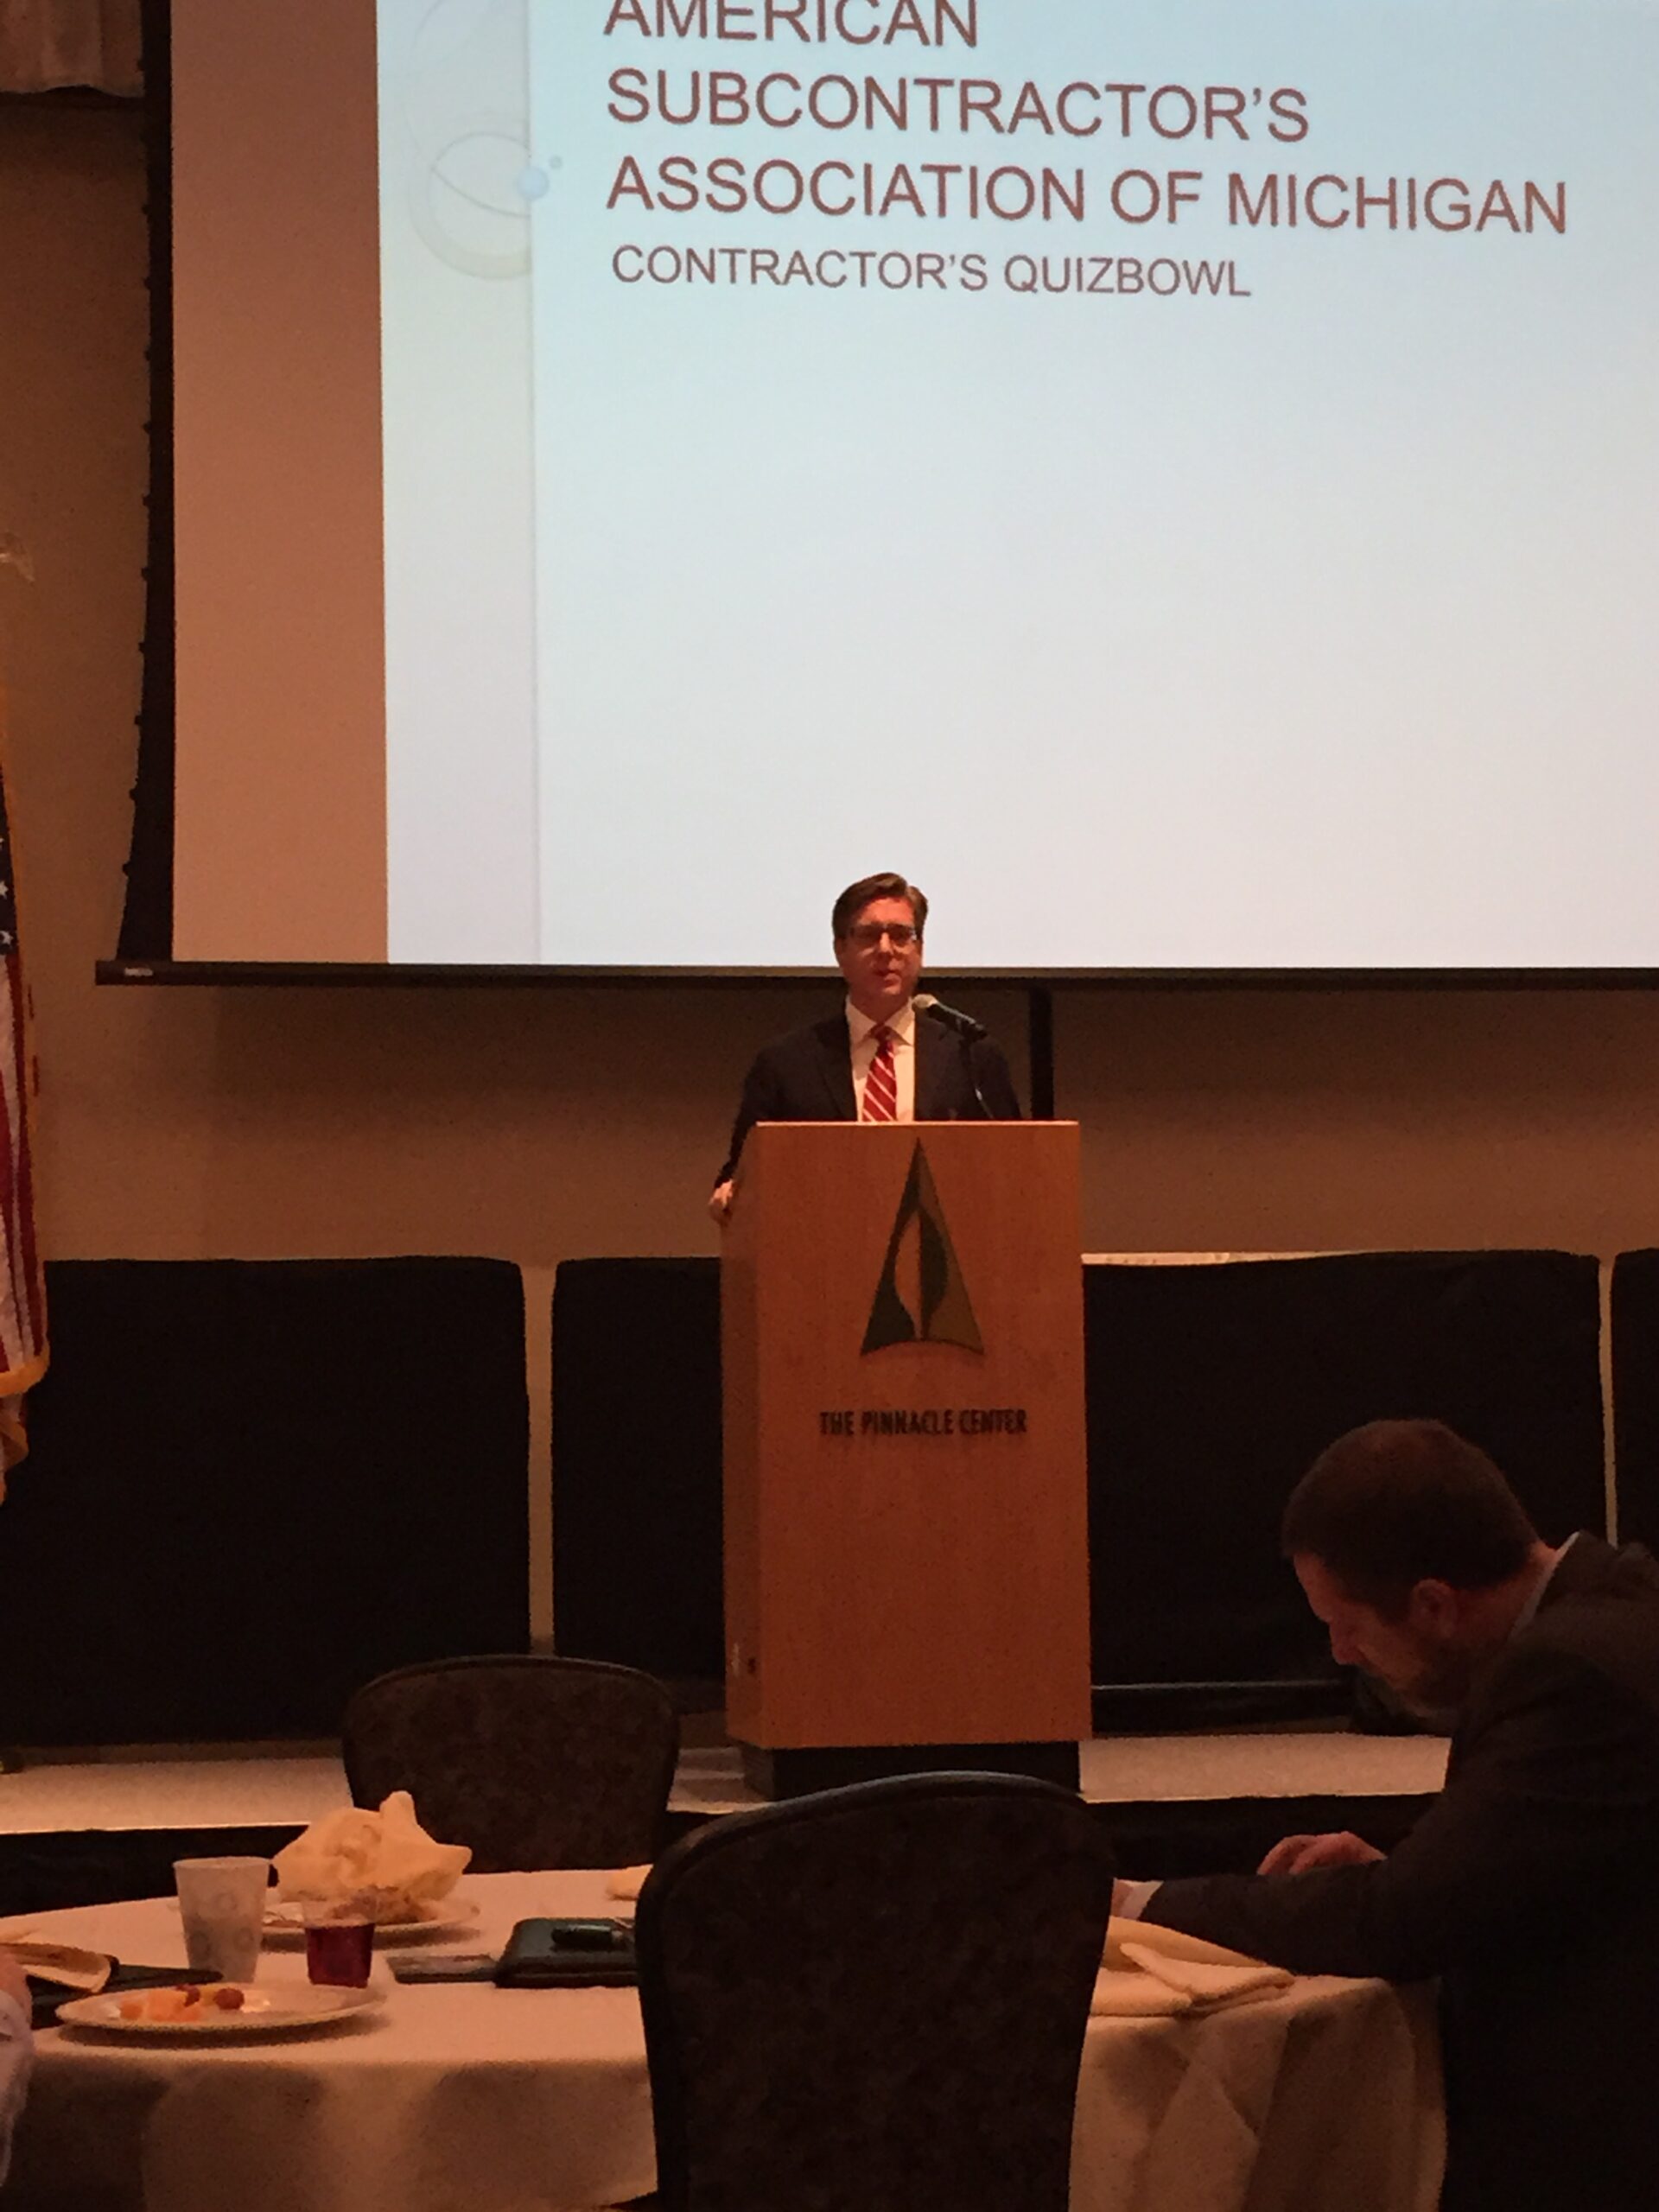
536, 1125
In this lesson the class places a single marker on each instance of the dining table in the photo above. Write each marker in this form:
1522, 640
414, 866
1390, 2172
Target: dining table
1322, 2096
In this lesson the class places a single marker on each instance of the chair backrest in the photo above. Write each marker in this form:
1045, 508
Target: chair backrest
534, 1762
873, 1999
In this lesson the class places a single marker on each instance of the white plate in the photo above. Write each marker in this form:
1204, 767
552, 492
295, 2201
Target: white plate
279, 2008
285, 1923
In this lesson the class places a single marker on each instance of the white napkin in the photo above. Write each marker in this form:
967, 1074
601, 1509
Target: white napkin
626, 1881
1148, 1970
1128, 1994
66, 1962
388, 1853
1206, 1984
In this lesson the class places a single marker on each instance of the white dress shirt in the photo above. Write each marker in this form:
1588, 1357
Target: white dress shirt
862, 1030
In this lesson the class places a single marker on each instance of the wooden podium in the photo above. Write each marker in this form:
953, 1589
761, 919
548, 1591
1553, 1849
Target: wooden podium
907, 1518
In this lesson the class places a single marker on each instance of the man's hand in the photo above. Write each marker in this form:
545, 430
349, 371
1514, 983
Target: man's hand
13, 1981
1302, 1854
719, 1203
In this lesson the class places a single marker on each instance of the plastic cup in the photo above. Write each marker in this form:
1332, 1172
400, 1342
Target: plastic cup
338, 1941
222, 1904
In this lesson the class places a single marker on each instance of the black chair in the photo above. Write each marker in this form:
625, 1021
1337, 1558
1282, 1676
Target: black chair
534, 1762
873, 1999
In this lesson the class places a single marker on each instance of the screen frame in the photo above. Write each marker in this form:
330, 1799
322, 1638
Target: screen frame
129, 970
144, 957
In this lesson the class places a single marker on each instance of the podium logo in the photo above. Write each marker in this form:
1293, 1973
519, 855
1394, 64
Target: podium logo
921, 1298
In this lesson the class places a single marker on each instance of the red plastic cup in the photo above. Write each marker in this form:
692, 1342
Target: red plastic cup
339, 1946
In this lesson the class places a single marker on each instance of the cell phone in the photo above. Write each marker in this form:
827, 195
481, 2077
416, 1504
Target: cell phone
569, 1955
454, 1966
587, 1935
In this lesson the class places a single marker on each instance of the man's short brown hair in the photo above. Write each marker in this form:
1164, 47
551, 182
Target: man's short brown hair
1398, 1503
857, 896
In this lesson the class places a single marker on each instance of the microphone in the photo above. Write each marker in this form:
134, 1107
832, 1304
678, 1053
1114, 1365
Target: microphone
967, 1032
951, 1017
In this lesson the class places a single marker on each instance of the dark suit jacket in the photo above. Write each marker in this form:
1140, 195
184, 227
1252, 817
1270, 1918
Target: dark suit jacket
808, 1076
1531, 1886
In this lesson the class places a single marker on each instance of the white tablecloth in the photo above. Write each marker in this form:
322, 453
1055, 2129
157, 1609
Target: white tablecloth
465, 2098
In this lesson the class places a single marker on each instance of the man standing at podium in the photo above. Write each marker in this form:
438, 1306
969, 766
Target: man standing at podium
888, 1057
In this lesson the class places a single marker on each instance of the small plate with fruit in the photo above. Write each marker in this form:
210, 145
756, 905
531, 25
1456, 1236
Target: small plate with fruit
202, 2011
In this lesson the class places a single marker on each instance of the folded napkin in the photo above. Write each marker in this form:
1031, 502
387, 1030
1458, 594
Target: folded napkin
1148, 1970
626, 1881
68, 1963
387, 1853
1126, 1993
1209, 1985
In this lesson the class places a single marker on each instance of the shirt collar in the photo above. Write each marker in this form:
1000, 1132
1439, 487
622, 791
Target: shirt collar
902, 1024
1527, 1613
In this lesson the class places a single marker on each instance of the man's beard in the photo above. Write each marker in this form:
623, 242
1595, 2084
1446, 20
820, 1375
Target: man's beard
1437, 1690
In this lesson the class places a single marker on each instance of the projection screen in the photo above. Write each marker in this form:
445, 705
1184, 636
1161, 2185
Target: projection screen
1179, 478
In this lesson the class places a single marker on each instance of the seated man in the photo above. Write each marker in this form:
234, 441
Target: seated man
1531, 1885
883, 1058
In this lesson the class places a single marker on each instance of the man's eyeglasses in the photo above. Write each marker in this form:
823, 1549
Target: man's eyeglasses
868, 935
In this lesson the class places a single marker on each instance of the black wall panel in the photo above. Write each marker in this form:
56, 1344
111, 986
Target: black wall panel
1634, 1324
253, 1485
636, 1464
1212, 1389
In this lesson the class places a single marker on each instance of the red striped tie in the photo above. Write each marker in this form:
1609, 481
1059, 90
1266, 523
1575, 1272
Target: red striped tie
881, 1085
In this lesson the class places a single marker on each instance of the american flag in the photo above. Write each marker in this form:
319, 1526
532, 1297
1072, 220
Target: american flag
22, 1286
